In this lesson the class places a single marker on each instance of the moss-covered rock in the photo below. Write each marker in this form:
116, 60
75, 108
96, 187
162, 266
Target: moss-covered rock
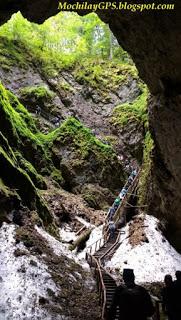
16, 172
145, 177
104, 76
12, 52
97, 197
130, 121
31, 171
83, 157
134, 111
33, 96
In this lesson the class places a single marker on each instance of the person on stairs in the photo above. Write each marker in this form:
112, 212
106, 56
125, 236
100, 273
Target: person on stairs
38, 110
168, 298
116, 203
112, 229
123, 193
134, 301
177, 295
111, 213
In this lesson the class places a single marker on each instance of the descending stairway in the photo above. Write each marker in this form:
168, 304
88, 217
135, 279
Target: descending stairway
103, 252
104, 249
110, 286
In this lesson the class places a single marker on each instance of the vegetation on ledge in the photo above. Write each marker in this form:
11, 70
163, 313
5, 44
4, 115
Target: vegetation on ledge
38, 93
19, 147
72, 132
144, 179
133, 111
104, 75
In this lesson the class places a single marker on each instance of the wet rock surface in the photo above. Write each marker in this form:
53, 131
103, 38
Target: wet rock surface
164, 191
156, 53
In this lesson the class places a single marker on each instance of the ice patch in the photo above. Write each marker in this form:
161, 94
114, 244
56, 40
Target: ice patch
95, 235
22, 283
66, 234
60, 248
151, 261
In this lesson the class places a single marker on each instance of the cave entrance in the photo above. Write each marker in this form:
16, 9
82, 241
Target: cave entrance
70, 54
73, 67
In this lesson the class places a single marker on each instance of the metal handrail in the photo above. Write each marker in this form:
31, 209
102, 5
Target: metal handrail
124, 187
101, 285
98, 243
117, 214
98, 262
104, 239
157, 302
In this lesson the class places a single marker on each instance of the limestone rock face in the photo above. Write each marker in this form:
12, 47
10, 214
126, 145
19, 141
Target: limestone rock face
153, 39
165, 123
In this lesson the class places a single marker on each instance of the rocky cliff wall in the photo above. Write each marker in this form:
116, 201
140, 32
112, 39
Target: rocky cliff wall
153, 39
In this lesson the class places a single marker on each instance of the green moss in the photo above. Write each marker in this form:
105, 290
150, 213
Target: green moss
104, 76
31, 171
56, 175
12, 53
64, 85
21, 144
15, 124
5, 190
15, 177
14, 120
145, 172
133, 111
73, 133
25, 115
38, 92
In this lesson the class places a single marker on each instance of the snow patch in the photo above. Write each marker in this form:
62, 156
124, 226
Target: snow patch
22, 283
151, 261
66, 234
95, 235
60, 248
84, 222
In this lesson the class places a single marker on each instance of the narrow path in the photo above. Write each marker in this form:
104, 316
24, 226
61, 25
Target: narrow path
105, 248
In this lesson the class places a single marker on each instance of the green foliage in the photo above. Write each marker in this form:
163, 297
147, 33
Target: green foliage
11, 53
58, 43
56, 175
104, 75
73, 133
30, 170
133, 111
37, 92
146, 167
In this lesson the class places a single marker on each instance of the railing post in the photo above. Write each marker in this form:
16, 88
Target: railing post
96, 247
157, 310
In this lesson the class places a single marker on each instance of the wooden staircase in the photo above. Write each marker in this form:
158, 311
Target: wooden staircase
105, 248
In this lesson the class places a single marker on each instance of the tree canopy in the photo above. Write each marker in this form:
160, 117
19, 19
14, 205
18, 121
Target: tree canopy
65, 38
